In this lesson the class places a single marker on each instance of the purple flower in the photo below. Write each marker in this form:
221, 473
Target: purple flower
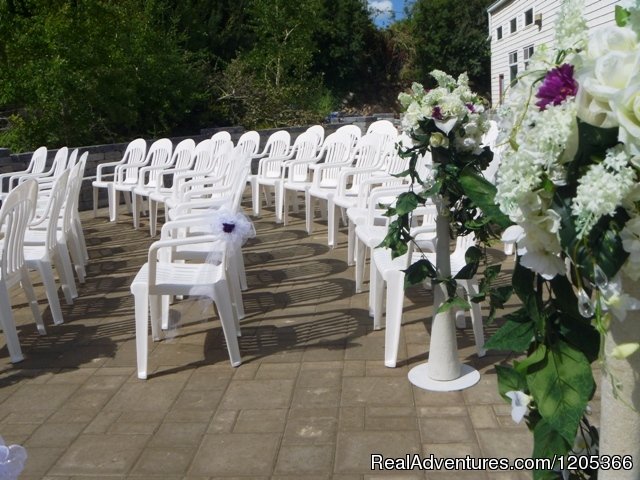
470, 107
437, 113
557, 86
228, 227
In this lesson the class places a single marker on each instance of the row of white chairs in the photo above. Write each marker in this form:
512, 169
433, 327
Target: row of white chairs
41, 229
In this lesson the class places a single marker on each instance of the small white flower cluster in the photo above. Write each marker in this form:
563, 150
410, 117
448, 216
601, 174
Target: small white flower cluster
452, 106
602, 189
571, 28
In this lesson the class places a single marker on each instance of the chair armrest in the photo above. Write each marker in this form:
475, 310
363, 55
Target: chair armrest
102, 166
171, 243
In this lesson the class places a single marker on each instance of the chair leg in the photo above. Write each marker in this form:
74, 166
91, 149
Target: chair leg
279, 192
395, 299
351, 243
156, 311
332, 222
135, 206
360, 260
308, 209
267, 196
241, 271
153, 217
95, 202
79, 233
255, 195
33, 301
225, 310
46, 272
165, 302
9, 326
476, 316
141, 301
286, 195
376, 300
127, 200
233, 280
374, 280
76, 257
65, 272
114, 197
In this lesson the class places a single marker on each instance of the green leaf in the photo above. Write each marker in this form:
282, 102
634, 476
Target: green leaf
483, 193
515, 335
509, 380
534, 359
562, 385
606, 245
593, 144
407, 202
622, 16
547, 442
522, 280
419, 271
454, 302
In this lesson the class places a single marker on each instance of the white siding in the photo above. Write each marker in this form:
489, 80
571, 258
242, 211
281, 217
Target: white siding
596, 12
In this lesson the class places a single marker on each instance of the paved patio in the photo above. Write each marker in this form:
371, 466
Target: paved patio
311, 400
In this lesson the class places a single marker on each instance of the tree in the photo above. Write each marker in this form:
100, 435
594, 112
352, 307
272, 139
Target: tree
451, 35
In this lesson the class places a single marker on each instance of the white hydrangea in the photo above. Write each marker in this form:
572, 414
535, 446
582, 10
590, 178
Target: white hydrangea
602, 189
571, 27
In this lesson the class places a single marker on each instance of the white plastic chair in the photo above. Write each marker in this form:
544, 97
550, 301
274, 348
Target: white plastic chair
389, 272
134, 154
37, 164
296, 178
161, 276
151, 179
17, 211
57, 167
277, 146
353, 131
317, 130
127, 176
43, 257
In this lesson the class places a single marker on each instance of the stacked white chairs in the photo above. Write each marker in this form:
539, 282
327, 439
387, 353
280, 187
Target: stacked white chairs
17, 211
390, 272
127, 176
57, 167
72, 249
297, 175
134, 154
365, 155
152, 178
45, 184
44, 256
277, 146
37, 164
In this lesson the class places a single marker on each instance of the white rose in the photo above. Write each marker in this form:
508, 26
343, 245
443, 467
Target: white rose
610, 38
626, 106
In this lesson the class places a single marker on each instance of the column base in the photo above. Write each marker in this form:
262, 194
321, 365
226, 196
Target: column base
419, 376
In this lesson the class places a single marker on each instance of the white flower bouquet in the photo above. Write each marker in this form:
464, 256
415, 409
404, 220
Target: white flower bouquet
568, 180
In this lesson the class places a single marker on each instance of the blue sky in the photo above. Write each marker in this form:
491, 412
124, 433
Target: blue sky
386, 11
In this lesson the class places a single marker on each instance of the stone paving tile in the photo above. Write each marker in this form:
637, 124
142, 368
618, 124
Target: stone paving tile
172, 460
354, 449
305, 459
261, 421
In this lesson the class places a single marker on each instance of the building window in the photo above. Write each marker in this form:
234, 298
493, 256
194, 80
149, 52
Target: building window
528, 17
501, 89
527, 53
499, 33
514, 25
513, 67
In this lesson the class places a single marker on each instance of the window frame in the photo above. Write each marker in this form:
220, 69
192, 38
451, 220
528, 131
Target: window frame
527, 53
526, 17
513, 25
513, 67
499, 33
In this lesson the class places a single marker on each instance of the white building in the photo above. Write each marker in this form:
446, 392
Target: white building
517, 27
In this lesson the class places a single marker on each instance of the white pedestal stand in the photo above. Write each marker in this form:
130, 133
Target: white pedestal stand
620, 418
443, 372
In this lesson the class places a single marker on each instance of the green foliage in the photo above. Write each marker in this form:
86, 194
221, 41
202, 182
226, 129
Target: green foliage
451, 35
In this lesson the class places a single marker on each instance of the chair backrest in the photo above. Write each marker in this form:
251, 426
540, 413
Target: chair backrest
353, 131
17, 211
222, 161
133, 155
183, 154
336, 149
73, 159
238, 177
38, 161
54, 205
384, 127
74, 184
489, 138
60, 162
249, 142
278, 144
218, 140
317, 130
305, 146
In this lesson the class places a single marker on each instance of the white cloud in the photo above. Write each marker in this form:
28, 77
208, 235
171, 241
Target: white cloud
381, 10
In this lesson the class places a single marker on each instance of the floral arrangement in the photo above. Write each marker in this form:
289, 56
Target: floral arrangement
236, 228
12, 458
448, 124
569, 181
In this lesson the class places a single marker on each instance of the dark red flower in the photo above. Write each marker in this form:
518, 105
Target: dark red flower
557, 86
437, 113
